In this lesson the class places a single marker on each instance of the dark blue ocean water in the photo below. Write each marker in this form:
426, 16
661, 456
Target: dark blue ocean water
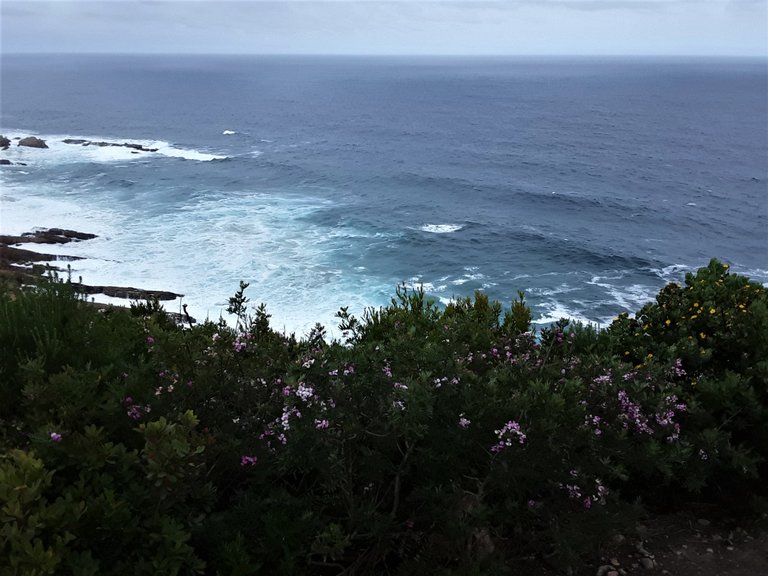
587, 183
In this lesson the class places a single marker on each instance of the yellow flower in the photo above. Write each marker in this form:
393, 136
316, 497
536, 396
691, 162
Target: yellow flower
667, 322
694, 317
702, 335
649, 355
695, 304
626, 353
711, 310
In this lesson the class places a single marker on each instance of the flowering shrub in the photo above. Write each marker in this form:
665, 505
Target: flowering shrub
440, 440
711, 335
714, 323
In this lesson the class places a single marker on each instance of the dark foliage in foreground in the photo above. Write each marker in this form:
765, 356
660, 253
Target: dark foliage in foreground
442, 441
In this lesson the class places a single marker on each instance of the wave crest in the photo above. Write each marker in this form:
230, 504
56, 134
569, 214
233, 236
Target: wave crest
441, 228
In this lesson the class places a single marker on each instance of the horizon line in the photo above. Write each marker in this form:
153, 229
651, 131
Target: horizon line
397, 55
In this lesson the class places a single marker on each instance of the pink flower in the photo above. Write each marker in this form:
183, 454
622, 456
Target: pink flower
305, 392
510, 431
55, 437
573, 491
321, 424
247, 460
150, 340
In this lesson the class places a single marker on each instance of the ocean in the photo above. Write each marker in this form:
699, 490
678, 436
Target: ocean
327, 181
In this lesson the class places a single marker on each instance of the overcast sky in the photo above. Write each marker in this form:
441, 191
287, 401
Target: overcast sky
601, 27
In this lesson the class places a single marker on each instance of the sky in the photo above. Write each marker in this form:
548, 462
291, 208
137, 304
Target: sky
471, 27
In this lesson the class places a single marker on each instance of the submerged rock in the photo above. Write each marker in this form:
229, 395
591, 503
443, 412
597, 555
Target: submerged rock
101, 144
4, 142
32, 142
5, 162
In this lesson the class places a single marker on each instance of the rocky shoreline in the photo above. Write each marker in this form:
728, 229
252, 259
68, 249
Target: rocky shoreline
22, 266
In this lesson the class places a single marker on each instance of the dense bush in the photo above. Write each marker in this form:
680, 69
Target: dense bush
715, 330
447, 440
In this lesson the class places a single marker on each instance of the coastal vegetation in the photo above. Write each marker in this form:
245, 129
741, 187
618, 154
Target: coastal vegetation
440, 440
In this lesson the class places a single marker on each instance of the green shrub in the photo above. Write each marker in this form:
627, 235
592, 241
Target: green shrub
446, 440
712, 332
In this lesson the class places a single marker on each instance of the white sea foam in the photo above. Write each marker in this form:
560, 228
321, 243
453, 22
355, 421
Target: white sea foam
228, 132
30, 208
674, 272
554, 311
467, 278
261, 239
628, 297
563, 288
59, 152
188, 154
441, 228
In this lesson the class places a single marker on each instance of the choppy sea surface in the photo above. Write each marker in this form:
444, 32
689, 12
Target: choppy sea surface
325, 182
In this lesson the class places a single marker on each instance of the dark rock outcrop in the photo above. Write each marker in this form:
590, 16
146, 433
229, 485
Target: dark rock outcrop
16, 256
23, 266
4, 142
5, 162
32, 142
127, 292
51, 236
135, 147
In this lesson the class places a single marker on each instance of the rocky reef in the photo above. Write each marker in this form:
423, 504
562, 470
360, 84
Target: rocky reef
134, 147
35, 142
